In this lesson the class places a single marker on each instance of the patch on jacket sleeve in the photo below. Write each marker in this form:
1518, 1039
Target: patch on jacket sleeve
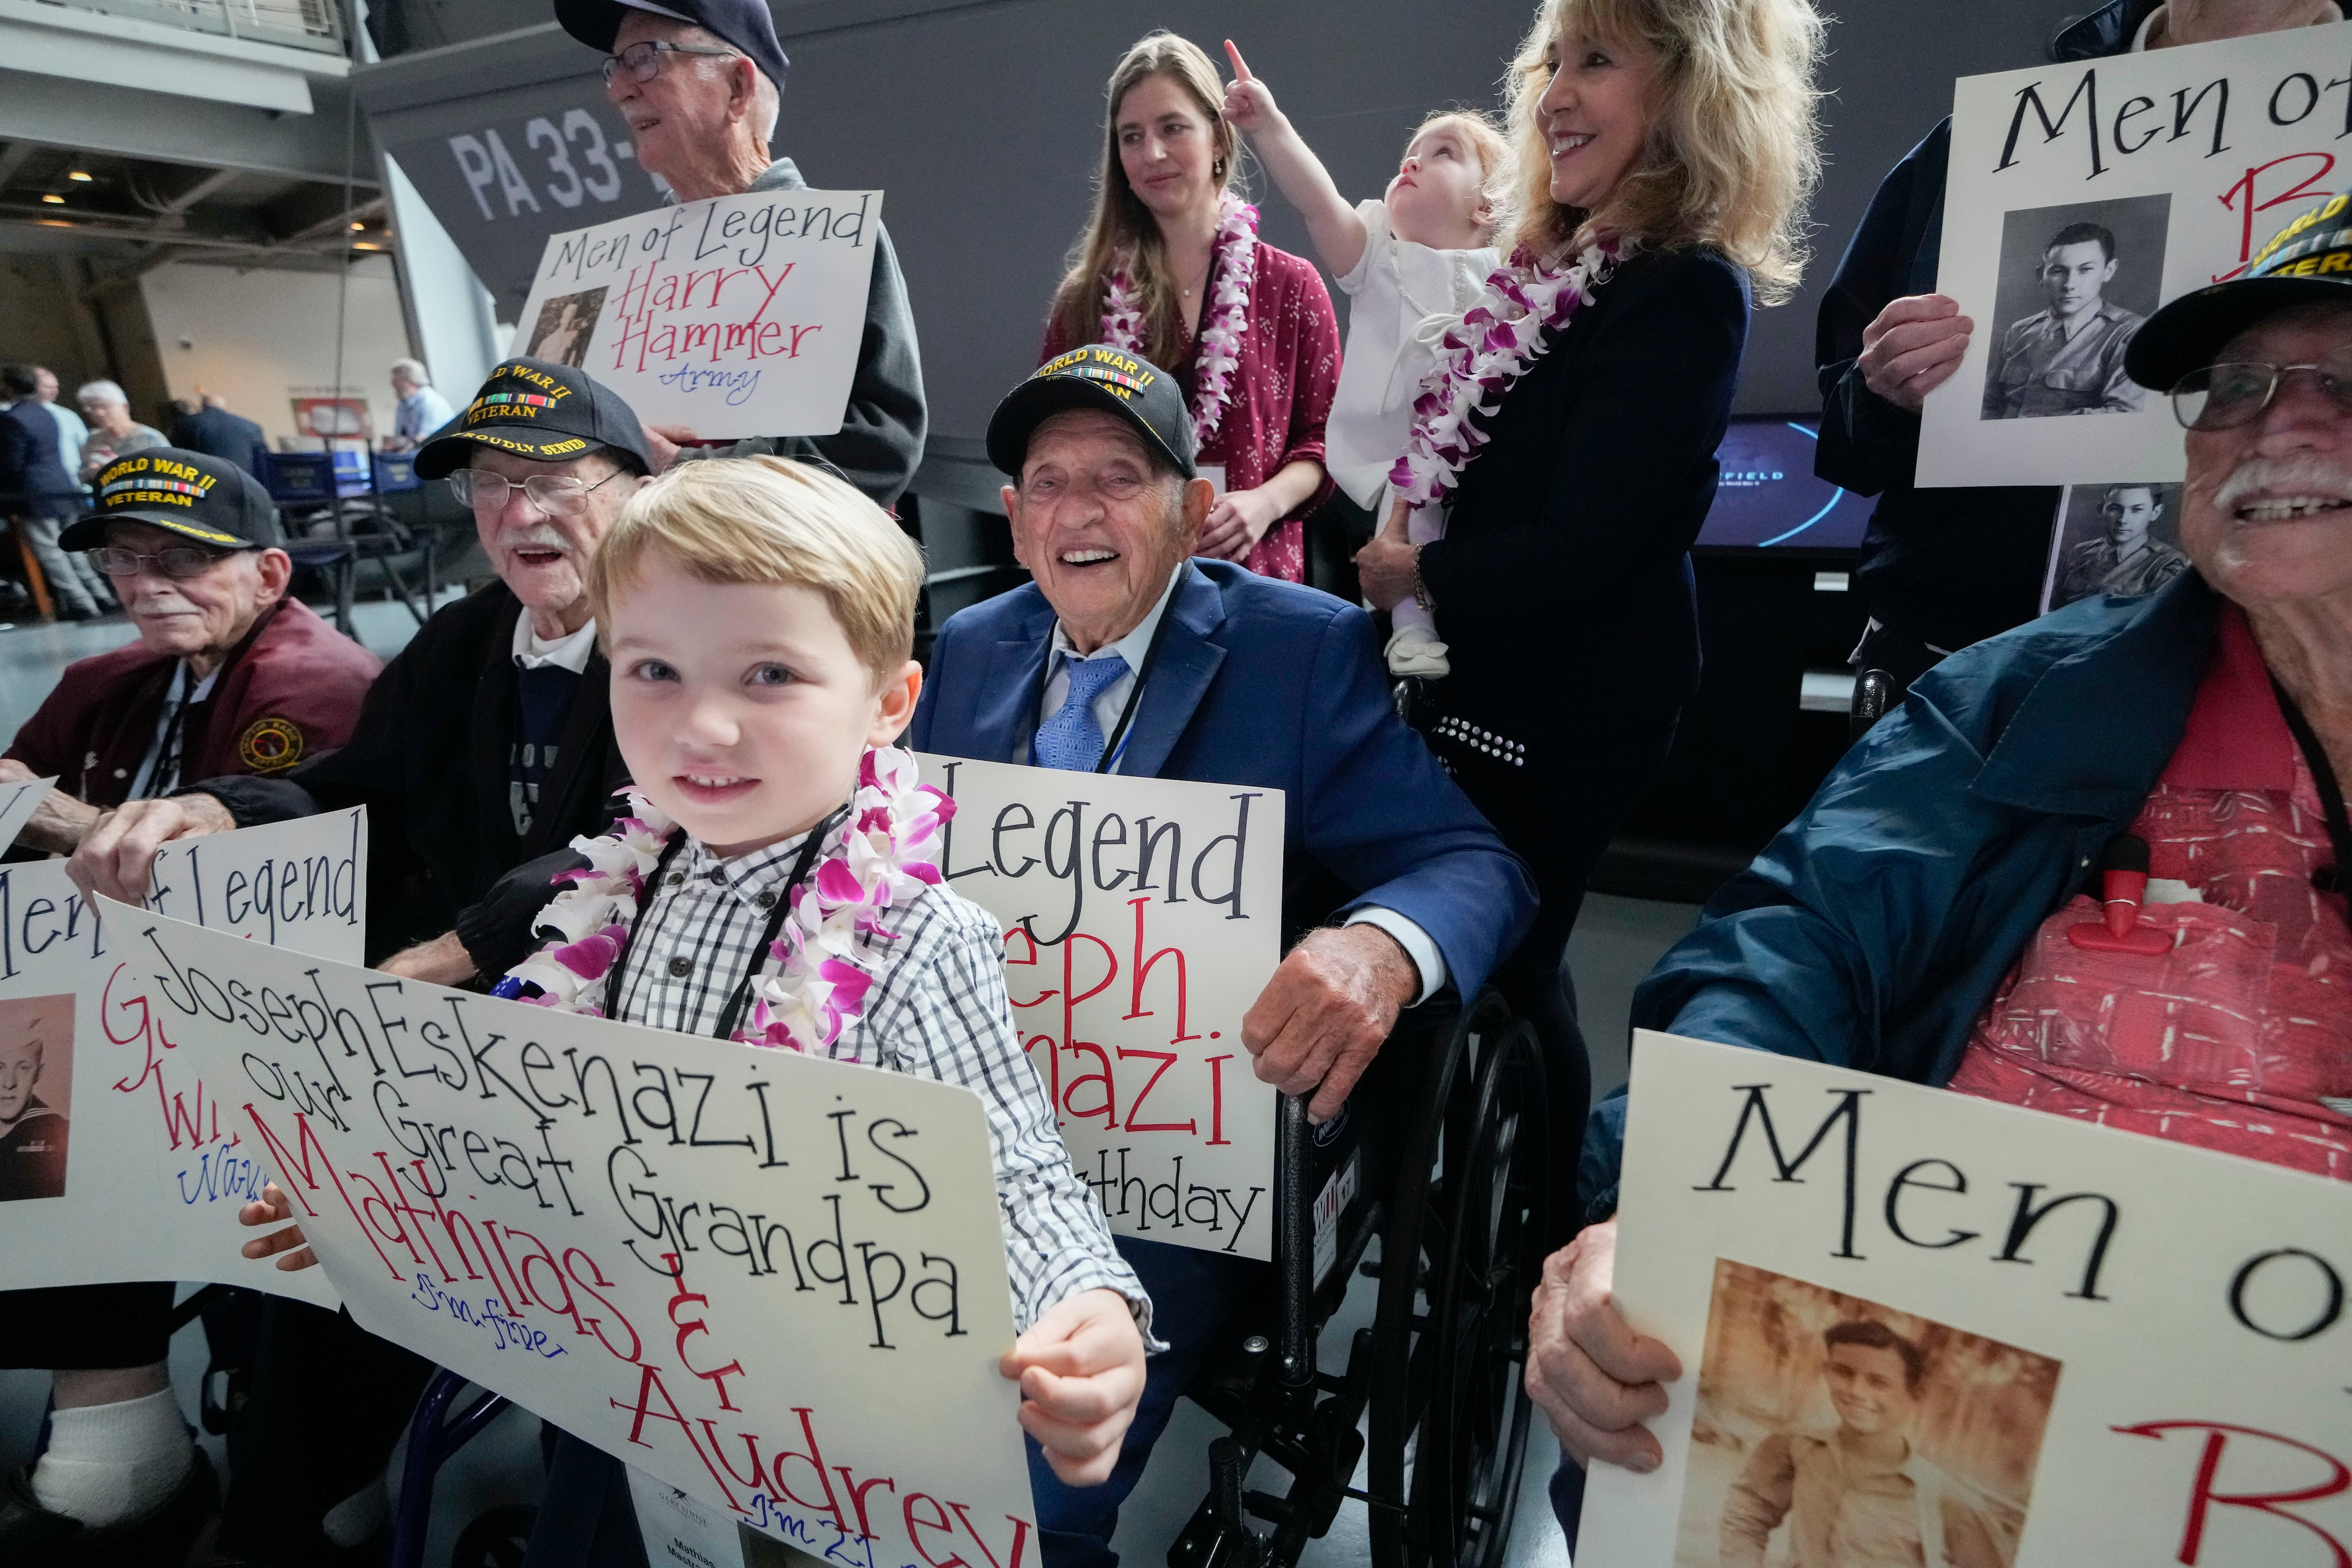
270, 745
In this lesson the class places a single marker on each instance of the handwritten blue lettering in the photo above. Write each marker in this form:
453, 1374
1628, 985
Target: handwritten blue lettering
506, 1333
737, 384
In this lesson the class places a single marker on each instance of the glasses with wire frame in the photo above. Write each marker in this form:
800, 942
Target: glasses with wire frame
551, 493
178, 562
2224, 396
644, 61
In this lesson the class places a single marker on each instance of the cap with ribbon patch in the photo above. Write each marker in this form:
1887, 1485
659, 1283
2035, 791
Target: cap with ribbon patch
197, 496
2307, 262
1095, 376
536, 409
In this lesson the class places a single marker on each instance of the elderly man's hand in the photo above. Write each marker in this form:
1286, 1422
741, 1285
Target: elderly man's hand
1913, 347
662, 442
1081, 1374
117, 855
1595, 1378
1385, 566
444, 961
1322, 1017
58, 824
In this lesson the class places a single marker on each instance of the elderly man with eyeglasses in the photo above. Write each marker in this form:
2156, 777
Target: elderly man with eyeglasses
699, 82
2095, 867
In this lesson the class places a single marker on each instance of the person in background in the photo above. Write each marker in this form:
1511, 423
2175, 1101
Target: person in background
38, 494
1944, 568
72, 434
1918, 919
1169, 268
213, 429
700, 83
228, 676
1413, 260
421, 409
112, 432
1563, 579
2123, 559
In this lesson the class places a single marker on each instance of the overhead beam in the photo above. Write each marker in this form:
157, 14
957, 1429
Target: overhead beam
19, 153
137, 124
201, 189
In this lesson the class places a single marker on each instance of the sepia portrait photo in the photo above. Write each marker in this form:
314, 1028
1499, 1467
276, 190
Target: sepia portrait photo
1833, 1432
2122, 539
564, 326
36, 1095
2076, 281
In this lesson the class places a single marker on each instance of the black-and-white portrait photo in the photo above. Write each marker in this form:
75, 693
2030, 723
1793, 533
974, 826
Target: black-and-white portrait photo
2076, 281
564, 326
2122, 539
36, 1095
1833, 1432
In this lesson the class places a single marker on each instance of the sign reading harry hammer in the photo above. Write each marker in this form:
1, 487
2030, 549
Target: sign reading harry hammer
774, 1282
1918, 1327
736, 316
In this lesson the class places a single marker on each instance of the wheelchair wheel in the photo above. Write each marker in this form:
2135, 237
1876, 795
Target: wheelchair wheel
1460, 1257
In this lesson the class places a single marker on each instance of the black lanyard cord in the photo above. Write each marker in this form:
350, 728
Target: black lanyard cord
2323, 776
1135, 695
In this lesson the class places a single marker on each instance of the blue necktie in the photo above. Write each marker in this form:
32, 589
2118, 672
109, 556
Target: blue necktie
1071, 739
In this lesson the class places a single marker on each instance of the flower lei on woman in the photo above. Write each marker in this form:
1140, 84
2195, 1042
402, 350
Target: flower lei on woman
1496, 343
880, 857
1234, 263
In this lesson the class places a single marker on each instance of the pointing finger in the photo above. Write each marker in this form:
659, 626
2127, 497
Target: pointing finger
1240, 66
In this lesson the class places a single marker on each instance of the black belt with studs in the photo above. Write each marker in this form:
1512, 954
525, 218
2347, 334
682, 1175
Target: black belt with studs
1461, 732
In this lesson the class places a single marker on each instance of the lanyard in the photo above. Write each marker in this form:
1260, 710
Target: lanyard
2331, 793
164, 776
1116, 743
741, 996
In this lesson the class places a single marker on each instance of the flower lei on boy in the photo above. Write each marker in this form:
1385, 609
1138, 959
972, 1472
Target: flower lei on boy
1234, 263
880, 856
1496, 343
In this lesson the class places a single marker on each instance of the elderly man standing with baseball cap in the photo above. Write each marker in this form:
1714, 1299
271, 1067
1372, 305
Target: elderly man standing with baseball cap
486, 743
699, 82
1917, 919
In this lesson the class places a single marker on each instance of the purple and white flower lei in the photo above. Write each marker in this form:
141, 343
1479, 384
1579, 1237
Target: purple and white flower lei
1234, 263
1496, 343
882, 855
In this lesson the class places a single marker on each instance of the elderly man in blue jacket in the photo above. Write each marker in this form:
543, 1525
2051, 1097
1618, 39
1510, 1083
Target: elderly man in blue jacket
1126, 655
1944, 863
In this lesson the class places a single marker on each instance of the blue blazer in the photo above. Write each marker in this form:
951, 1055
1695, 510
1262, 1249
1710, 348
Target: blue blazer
1266, 683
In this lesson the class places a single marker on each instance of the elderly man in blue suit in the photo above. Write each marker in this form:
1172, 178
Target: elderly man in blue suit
1126, 655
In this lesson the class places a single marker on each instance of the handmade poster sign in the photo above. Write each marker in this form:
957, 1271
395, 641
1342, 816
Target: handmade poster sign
2038, 1342
736, 316
1141, 919
122, 1157
2083, 195
18, 803
773, 1281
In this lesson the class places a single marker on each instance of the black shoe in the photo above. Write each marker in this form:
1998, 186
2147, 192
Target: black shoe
32, 1536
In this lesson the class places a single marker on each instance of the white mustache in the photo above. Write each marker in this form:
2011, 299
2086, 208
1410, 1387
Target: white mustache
2298, 475
539, 537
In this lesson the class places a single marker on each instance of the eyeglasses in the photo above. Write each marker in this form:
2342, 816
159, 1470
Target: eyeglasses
2224, 396
178, 562
557, 497
644, 62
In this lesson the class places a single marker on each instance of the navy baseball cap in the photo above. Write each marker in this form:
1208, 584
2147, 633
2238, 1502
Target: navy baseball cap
192, 494
745, 24
1095, 376
540, 410
2307, 262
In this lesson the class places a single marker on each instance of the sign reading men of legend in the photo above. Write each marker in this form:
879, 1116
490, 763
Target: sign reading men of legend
2083, 195
736, 316
774, 1282
1141, 919
1933, 1329
121, 1158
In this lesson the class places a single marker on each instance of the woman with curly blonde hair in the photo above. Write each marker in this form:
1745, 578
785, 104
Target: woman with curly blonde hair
1665, 149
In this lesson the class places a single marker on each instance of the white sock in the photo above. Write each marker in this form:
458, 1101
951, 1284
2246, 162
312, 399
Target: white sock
107, 1463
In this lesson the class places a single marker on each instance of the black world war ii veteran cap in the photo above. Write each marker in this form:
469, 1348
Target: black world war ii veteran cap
746, 24
550, 412
192, 494
2307, 262
1093, 377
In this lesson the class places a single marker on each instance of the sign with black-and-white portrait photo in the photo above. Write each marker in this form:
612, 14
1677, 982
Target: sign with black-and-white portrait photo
2083, 196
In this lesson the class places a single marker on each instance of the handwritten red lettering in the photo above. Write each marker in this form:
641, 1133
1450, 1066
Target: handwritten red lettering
2203, 1495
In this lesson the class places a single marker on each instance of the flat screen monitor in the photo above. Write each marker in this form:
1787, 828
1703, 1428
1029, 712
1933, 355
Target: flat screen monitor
1768, 499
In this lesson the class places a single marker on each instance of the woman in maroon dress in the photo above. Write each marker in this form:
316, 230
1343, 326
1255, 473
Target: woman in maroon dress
1170, 268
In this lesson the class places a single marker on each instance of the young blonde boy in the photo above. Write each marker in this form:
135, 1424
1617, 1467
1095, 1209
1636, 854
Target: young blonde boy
759, 615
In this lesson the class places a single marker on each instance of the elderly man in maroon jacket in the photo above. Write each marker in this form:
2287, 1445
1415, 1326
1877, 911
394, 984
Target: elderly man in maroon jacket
228, 676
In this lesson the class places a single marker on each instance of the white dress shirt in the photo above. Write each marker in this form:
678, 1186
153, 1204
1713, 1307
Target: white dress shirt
159, 771
1111, 701
533, 652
